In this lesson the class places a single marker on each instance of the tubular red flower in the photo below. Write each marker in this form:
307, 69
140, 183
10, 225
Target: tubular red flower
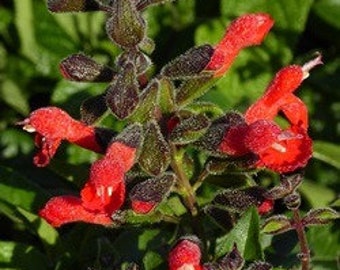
105, 189
53, 125
245, 31
102, 194
186, 255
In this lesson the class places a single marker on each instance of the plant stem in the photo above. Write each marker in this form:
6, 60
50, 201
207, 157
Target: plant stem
305, 252
183, 181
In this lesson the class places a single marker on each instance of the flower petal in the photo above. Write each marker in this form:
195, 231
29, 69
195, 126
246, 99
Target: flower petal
65, 209
105, 190
247, 30
297, 147
295, 111
261, 135
286, 81
54, 125
47, 149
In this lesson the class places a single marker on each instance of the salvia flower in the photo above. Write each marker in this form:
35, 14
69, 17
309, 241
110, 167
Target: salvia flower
282, 150
102, 194
53, 125
247, 30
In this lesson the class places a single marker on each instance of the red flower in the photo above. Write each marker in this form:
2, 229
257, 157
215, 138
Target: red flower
52, 125
186, 255
280, 150
245, 31
102, 195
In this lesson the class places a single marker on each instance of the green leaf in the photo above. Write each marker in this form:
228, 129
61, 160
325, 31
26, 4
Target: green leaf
14, 142
45, 231
17, 190
316, 194
172, 206
122, 95
320, 216
276, 225
155, 154
167, 95
324, 243
189, 64
24, 19
245, 234
329, 11
208, 108
14, 96
148, 101
193, 88
152, 260
14, 255
189, 129
327, 152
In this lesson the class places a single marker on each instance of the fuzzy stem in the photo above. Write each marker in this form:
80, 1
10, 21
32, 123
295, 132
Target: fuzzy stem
183, 181
305, 252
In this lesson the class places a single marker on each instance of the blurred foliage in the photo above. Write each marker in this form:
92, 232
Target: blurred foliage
33, 42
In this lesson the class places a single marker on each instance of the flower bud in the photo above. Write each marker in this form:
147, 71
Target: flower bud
292, 201
125, 27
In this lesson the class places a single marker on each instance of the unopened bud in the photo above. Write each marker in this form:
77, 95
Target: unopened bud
293, 201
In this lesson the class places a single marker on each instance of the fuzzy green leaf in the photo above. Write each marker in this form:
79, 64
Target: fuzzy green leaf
167, 95
189, 64
327, 152
276, 225
245, 234
155, 154
189, 130
193, 88
320, 216
147, 104
122, 96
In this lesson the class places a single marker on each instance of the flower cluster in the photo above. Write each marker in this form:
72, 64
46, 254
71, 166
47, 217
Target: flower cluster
282, 150
162, 122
